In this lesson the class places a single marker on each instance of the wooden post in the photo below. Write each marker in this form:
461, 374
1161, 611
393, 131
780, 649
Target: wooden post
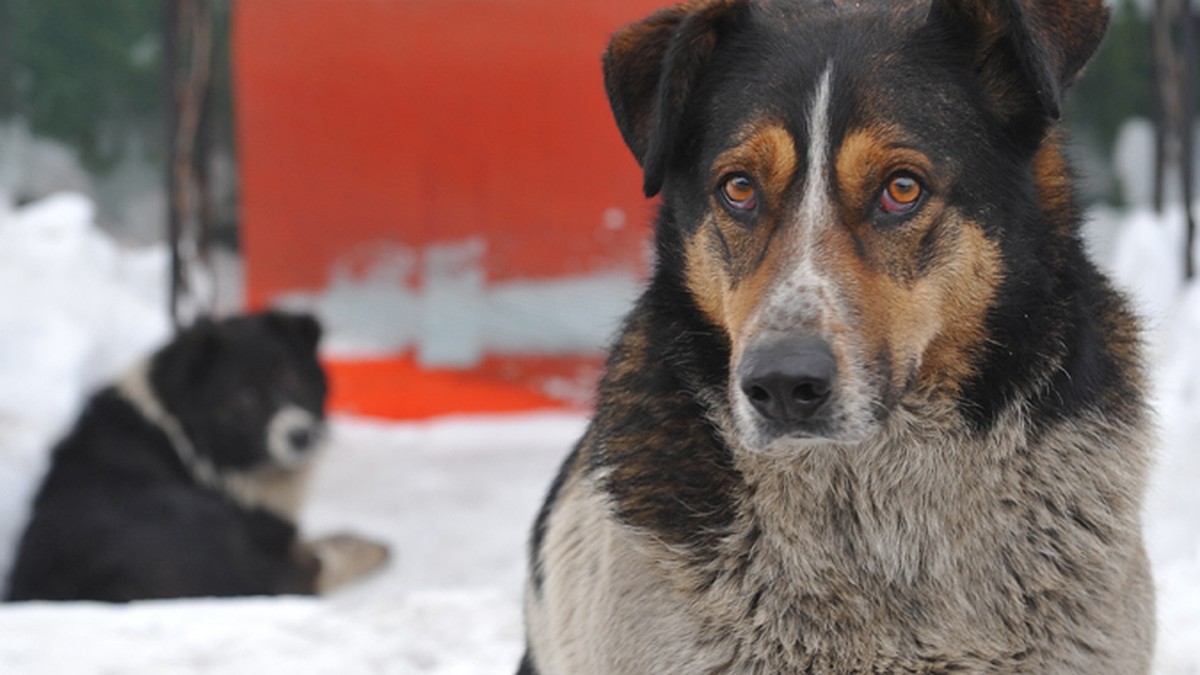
187, 65
1173, 41
1187, 160
1160, 71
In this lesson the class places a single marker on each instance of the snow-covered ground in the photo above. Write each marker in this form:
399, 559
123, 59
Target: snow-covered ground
454, 497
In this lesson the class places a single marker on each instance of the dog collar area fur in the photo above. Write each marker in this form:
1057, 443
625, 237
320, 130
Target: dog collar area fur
135, 388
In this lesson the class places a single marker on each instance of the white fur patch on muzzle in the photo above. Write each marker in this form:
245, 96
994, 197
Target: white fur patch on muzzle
293, 436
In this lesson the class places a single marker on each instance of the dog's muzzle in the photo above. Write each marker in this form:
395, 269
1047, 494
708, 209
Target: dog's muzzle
293, 436
789, 381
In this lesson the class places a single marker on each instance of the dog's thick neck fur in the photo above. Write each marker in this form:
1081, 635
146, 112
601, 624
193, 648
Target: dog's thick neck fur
278, 491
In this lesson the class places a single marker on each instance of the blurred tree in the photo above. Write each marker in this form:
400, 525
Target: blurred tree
8, 95
86, 73
1174, 49
1117, 84
1121, 83
90, 74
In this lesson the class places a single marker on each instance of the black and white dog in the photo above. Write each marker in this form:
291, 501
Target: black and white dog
185, 477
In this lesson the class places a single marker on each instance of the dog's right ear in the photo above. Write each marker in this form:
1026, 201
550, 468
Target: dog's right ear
650, 68
1025, 47
300, 330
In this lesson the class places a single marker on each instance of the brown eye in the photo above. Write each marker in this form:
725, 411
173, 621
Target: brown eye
901, 194
739, 193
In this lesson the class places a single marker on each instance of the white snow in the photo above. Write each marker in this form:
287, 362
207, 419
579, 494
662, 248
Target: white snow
453, 498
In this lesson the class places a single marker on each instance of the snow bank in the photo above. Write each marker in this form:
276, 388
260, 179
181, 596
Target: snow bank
74, 310
458, 632
453, 498
1147, 260
74, 302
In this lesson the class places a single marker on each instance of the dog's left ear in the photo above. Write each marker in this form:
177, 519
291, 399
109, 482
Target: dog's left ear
187, 359
650, 69
1025, 47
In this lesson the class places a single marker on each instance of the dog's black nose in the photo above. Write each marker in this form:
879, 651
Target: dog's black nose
788, 380
301, 438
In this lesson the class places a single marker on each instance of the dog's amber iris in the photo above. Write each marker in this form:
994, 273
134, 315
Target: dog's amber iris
739, 192
902, 193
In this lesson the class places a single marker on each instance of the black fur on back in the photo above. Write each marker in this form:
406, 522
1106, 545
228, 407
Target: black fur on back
120, 515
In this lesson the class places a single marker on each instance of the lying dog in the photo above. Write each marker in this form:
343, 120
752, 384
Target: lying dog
876, 411
184, 479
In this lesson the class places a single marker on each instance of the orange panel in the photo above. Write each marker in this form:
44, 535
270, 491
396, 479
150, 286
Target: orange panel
399, 388
417, 121
414, 122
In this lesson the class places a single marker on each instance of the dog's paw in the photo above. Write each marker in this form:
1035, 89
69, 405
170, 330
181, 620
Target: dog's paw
344, 558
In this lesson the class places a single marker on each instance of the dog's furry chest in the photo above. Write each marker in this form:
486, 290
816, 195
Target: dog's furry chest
833, 571
922, 554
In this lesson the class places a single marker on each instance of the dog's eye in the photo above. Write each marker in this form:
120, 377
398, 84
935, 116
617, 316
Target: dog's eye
739, 192
901, 194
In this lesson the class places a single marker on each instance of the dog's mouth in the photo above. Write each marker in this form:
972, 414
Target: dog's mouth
758, 433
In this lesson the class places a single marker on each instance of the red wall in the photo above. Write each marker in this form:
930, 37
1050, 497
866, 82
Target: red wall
421, 121
430, 120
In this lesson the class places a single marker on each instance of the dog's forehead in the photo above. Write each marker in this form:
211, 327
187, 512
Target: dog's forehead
853, 15
879, 69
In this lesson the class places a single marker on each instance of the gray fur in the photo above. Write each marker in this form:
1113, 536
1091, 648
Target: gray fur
929, 566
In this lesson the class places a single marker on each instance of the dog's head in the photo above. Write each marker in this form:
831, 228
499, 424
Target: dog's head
248, 391
842, 184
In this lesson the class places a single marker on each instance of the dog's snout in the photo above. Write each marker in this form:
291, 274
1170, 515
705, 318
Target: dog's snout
788, 381
301, 438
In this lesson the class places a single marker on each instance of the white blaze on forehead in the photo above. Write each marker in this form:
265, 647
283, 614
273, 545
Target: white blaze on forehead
816, 187
799, 296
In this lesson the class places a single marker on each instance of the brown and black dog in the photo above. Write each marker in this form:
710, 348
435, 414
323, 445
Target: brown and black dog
876, 411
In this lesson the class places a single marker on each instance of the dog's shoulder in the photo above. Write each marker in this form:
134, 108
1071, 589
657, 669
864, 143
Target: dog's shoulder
113, 442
